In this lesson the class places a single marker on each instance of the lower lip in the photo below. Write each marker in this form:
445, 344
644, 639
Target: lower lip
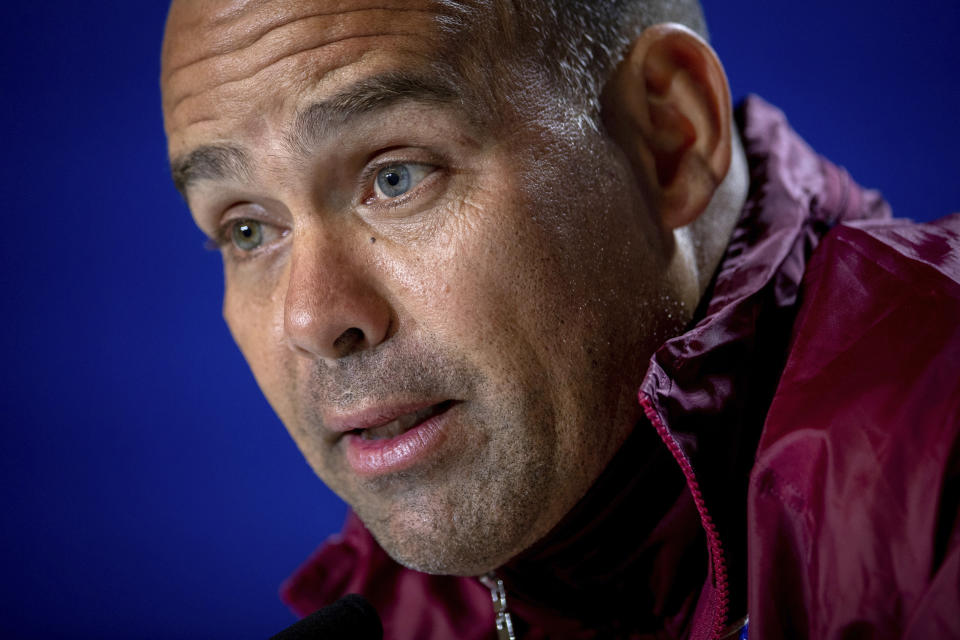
389, 455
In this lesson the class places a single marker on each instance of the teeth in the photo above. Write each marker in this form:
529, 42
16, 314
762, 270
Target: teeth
401, 425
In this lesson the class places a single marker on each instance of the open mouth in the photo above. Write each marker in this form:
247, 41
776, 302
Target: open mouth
404, 423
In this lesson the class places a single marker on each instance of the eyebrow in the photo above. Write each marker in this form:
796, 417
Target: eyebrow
209, 162
317, 121
376, 93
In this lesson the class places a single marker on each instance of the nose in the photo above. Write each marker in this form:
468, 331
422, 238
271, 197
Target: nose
332, 309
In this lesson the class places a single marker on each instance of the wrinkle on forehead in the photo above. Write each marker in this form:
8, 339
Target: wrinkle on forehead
223, 59
221, 26
303, 35
248, 37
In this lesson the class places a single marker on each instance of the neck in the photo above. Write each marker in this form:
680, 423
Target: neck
695, 250
629, 556
710, 232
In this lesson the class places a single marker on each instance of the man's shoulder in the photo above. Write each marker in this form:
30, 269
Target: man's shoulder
879, 309
914, 253
857, 467
875, 352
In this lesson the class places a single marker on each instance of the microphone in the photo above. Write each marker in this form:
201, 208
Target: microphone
350, 617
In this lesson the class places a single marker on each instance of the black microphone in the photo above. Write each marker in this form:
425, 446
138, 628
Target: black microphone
349, 617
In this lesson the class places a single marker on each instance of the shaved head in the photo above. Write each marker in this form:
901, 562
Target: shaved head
577, 42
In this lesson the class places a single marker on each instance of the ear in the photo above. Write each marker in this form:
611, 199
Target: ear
668, 107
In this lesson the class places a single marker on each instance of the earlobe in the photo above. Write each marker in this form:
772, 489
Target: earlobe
668, 107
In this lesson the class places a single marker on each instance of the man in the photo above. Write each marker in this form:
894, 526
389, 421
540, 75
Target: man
459, 237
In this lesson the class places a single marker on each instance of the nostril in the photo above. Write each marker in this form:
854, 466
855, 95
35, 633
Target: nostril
349, 341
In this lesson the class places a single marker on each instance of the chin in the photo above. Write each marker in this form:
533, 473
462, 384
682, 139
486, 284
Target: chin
439, 547
438, 560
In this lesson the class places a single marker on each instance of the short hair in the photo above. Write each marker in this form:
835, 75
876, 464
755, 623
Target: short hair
579, 43
583, 41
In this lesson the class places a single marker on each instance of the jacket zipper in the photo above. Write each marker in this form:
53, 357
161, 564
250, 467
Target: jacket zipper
498, 593
499, 596
713, 538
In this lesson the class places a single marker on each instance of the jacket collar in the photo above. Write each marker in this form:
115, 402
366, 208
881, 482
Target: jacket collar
707, 391
631, 554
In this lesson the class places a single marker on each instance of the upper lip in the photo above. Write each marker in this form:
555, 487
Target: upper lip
375, 416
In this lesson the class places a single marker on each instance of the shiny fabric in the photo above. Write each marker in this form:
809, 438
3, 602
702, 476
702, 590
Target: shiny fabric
855, 495
825, 388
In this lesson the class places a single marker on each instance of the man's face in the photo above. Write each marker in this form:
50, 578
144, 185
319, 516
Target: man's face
450, 307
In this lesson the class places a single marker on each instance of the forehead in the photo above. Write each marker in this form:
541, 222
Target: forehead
230, 65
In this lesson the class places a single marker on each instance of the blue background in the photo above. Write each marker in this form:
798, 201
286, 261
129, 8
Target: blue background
147, 491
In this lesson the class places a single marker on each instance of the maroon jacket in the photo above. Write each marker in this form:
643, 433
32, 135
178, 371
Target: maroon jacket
811, 467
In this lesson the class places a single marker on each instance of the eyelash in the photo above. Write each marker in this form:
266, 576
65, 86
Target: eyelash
369, 176
223, 240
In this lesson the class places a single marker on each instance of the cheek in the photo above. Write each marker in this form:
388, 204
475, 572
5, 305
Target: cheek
556, 269
489, 284
460, 283
257, 326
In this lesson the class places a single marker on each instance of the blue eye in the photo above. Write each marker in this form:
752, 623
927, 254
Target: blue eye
398, 179
247, 235
393, 181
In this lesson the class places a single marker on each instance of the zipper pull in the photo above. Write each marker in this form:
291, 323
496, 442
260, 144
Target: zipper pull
499, 596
